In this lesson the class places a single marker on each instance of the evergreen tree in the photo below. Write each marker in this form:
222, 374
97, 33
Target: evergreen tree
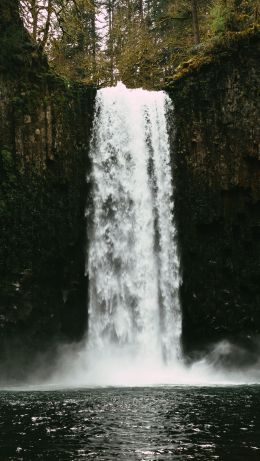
138, 41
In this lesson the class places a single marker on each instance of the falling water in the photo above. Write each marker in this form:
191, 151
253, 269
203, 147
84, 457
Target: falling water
132, 263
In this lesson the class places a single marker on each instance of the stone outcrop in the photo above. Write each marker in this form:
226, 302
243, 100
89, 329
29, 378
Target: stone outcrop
216, 164
44, 134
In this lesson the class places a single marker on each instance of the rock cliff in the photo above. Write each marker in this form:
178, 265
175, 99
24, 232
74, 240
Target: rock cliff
216, 163
44, 133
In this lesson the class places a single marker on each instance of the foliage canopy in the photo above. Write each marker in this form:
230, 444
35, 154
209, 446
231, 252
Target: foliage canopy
140, 42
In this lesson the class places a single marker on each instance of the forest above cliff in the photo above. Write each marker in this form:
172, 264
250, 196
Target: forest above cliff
140, 42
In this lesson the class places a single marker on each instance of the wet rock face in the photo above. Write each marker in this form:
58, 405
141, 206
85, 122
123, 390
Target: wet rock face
217, 168
44, 136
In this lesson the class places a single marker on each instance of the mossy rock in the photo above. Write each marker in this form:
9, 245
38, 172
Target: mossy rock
217, 50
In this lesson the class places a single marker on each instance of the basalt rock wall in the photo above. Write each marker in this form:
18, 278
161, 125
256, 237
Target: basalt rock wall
216, 163
44, 134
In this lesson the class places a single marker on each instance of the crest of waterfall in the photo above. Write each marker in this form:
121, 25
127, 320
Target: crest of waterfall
132, 263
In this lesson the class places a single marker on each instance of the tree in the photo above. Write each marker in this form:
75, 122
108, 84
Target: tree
138, 41
13, 37
74, 48
9, 13
195, 22
38, 17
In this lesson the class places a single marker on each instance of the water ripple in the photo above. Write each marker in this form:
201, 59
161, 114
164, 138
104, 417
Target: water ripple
142, 424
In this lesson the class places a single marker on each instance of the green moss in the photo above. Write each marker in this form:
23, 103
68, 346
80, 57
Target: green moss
26, 101
19, 54
219, 19
218, 48
6, 159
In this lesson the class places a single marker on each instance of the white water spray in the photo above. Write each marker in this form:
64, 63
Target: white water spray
133, 265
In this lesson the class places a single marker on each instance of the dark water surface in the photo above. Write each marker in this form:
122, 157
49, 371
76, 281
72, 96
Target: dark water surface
162, 423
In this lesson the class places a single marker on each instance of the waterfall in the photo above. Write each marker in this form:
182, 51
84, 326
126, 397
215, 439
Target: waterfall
132, 262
